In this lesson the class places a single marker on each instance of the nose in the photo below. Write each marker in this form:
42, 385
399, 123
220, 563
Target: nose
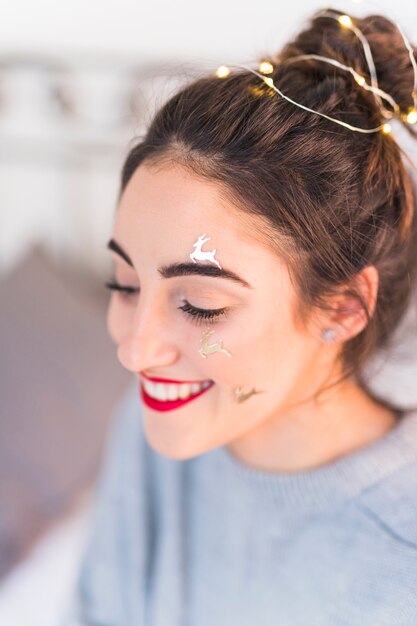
149, 343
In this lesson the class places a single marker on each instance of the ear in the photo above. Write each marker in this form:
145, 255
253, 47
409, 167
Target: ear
348, 317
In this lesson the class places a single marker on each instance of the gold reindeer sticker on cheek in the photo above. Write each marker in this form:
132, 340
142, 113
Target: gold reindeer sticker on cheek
201, 255
207, 348
241, 396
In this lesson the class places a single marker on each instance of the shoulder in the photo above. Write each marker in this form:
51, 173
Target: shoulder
124, 448
121, 519
126, 423
391, 503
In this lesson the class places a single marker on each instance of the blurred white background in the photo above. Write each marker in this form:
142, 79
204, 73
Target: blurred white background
78, 81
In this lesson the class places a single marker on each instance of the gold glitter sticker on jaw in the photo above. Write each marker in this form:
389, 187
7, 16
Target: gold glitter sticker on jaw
201, 255
241, 396
206, 348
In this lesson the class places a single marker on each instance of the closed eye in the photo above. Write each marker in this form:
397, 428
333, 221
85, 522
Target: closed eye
115, 286
203, 315
198, 315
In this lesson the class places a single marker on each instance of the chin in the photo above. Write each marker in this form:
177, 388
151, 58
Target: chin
169, 448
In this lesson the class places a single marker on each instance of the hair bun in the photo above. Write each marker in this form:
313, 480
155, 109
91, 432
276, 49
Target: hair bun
345, 39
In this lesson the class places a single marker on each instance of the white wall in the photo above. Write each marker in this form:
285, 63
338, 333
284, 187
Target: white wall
163, 30
76, 84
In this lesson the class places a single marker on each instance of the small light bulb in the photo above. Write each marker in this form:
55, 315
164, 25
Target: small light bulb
360, 79
265, 67
386, 129
222, 71
256, 91
345, 20
412, 117
269, 81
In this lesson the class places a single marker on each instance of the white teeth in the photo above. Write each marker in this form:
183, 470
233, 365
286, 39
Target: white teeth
160, 393
171, 391
184, 391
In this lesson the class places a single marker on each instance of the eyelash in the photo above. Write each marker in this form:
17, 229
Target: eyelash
199, 316
128, 291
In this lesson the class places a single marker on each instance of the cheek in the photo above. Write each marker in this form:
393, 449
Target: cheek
224, 340
119, 319
262, 353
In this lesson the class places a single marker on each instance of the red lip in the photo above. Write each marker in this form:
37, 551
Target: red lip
168, 405
169, 380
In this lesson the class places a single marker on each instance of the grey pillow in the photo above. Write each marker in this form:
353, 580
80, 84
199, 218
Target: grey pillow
60, 381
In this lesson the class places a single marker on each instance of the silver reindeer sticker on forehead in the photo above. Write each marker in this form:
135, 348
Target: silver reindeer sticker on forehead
201, 255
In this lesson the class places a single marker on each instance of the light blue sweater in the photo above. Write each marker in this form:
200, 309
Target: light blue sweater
211, 542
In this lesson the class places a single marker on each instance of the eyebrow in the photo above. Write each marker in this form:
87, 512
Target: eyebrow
174, 270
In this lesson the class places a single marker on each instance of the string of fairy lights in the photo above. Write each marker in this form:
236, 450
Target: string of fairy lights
345, 21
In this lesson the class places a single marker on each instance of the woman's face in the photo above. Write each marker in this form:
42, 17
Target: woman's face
161, 215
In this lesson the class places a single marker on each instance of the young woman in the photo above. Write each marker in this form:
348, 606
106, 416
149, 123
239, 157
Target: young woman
264, 249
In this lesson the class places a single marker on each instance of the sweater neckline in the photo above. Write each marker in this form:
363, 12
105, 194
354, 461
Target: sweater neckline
335, 482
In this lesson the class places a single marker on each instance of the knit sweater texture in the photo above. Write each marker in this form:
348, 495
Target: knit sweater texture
211, 541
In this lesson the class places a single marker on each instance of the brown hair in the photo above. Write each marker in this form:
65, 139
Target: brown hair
333, 200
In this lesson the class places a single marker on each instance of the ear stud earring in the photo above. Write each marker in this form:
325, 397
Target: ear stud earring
206, 348
328, 335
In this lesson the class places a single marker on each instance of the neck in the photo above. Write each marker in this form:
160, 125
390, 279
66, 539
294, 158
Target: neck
314, 434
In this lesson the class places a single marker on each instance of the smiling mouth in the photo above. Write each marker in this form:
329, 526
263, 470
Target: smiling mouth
169, 396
